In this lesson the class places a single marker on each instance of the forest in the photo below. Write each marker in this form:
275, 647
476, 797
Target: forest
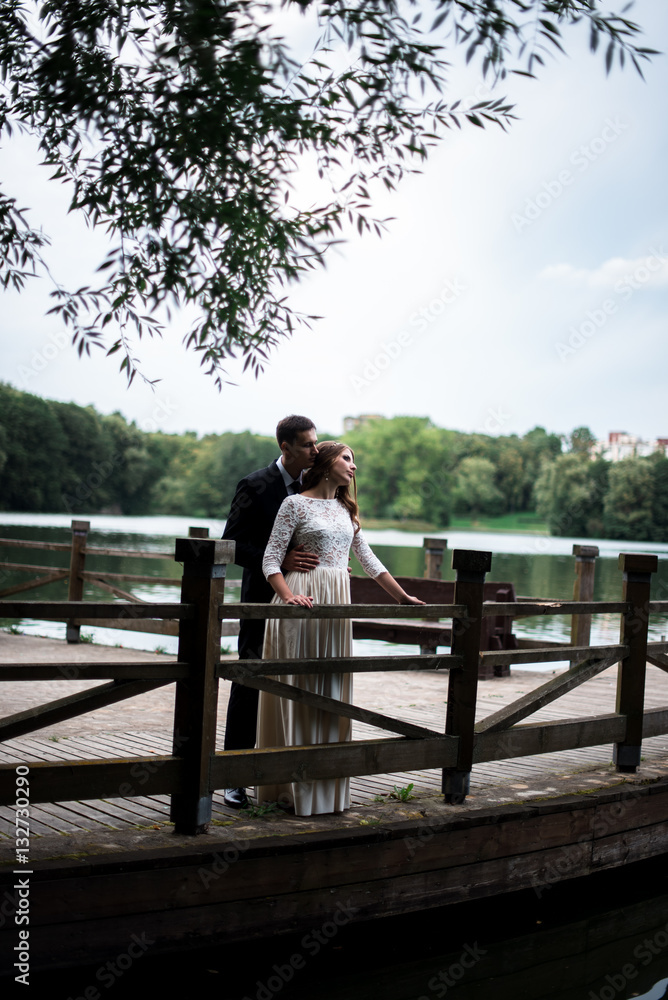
63, 458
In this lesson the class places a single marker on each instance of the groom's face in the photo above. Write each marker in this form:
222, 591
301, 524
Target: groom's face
301, 453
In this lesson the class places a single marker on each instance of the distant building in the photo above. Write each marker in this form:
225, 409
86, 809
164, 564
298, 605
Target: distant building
621, 445
354, 423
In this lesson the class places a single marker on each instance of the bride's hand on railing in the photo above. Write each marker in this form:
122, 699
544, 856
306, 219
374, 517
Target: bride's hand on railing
409, 599
301, 599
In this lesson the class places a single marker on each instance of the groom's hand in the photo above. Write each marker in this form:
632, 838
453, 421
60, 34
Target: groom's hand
300, 561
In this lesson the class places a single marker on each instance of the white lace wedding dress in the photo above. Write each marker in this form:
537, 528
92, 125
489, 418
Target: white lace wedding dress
324, 527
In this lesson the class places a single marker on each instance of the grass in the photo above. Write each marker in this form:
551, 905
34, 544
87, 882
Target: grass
402, 794
265, 809
526, 523
521, 524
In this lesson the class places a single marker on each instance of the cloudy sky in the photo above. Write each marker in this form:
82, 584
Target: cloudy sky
523, 281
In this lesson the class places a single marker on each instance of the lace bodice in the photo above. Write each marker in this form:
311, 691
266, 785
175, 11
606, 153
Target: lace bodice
322, 527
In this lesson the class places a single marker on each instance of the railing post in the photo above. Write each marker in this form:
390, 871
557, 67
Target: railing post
75, 586
471, 568
195, 708
434, 549
583, 590
198, 532
637, 569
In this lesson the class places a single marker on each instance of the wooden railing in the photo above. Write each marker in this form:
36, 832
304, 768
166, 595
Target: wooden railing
78, 575
428, 635
195, 769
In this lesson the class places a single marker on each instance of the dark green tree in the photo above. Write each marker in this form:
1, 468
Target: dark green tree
35, 447
569, 494
629, 502
659, 467
475, 491
580, 441
404, 469
181, 128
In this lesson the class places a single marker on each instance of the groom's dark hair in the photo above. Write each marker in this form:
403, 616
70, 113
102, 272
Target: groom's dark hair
288, 428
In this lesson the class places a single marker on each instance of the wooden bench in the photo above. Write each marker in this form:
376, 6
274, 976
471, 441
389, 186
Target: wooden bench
497, 632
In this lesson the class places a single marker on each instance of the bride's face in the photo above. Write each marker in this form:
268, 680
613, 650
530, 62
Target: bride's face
343, 468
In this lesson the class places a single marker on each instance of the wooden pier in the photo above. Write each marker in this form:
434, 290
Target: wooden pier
499, 802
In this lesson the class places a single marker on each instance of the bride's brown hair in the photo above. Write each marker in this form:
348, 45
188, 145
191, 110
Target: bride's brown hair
328, 452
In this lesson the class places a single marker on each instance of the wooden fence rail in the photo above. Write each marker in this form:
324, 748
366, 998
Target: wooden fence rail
194, 770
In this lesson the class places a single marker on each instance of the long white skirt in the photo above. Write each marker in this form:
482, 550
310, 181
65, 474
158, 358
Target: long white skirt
284, 723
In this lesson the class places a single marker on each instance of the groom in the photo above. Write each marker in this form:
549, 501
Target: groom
252, 514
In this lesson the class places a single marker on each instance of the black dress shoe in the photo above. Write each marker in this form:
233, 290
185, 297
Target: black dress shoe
235, 798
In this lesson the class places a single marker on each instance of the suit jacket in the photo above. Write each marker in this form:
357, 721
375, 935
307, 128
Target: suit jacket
252, 514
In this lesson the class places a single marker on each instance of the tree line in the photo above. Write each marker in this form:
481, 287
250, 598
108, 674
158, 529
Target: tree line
60, 457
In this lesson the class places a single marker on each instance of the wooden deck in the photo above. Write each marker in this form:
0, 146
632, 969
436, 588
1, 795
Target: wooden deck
142, 726
100, 869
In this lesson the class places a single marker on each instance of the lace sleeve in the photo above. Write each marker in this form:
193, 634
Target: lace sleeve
370, 564
281, 533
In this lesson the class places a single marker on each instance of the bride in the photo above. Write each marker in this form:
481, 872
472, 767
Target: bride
324, 518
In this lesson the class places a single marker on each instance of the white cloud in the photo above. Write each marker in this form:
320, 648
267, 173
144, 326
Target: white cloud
650, 271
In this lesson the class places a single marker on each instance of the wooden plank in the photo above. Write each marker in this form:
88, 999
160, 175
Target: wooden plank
334, 707
634, 845
270, 611
47, 610
524, 643
93, 671
40, 826
24, 543
637, 576
88, 815
125, 595
546, 693
339, 664
659, 660
243, 768
549, 737
160, 627
525, 609
68, 780
71, 706
548, 654
41, 581
302, 864
655, 723
100, 550
301, 910
165, 581
429, 634
32, 568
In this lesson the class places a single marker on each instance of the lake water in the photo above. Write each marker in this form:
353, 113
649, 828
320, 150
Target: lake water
539, 566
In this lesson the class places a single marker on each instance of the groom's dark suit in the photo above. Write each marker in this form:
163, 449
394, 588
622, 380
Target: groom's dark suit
252, 514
